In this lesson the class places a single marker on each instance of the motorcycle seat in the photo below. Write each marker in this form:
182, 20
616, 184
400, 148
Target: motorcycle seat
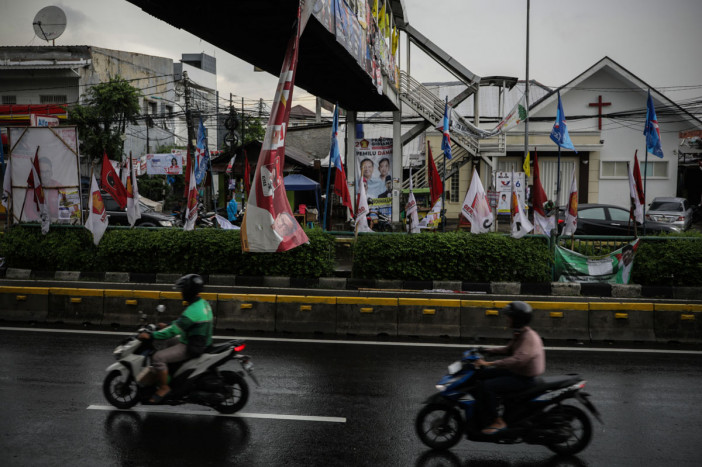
546, 383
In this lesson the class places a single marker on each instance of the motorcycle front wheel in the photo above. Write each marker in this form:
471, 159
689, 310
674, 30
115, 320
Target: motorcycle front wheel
575, 424
439, 426
236, 393
119, 390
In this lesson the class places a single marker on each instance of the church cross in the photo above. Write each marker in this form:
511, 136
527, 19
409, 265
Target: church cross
599, 104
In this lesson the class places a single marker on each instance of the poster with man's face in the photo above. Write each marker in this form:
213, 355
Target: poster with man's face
374, 156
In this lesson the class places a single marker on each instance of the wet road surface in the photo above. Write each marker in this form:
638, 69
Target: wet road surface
325, 403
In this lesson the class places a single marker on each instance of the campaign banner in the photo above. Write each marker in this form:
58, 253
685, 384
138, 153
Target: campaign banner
164, 164
374, 156
503, 186
614, 268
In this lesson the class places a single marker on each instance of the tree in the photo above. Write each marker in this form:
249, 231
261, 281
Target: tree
102, 119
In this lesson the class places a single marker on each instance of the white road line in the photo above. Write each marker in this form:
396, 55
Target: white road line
367, 342
170, 410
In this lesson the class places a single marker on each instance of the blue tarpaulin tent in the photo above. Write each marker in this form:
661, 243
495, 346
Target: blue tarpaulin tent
298, 182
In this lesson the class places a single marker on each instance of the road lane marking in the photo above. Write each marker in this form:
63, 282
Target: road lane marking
381, 343
170, 410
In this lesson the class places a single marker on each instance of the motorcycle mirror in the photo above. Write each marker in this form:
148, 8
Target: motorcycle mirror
161, 308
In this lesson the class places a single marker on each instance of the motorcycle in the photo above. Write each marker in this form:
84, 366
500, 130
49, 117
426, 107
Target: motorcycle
195, 381
536, 415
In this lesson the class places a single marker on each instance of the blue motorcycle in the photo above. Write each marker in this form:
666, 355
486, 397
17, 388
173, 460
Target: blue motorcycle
537, 415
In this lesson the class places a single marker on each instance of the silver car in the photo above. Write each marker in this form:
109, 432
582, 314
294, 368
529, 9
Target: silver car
674, 211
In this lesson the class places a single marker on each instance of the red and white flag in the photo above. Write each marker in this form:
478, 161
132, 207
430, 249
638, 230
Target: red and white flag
520, 222
133, 211
269, 225
436, 186
111, 182
34, 186
636, 192
476, 207
191, 210
97, 215
544, 222
571, 216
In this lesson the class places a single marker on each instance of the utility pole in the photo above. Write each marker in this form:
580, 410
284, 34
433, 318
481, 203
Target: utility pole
188, 124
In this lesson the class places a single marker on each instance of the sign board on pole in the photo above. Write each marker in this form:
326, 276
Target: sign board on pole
43, 120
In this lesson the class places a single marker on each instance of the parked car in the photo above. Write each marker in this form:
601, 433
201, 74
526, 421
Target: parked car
676, 212
149, 217
606, 219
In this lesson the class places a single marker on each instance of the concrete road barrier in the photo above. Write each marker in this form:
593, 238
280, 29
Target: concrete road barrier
481, 319
245, 312
561, 320
366, 316
24, 303
429, 317
126, 307
297, 313
677, 322
75, 306
619, 321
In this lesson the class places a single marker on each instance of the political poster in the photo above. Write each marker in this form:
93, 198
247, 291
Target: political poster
374, 155
164, 164
503, 186
613, 268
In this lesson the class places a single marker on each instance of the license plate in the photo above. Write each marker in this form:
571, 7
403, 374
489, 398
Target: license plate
455, 367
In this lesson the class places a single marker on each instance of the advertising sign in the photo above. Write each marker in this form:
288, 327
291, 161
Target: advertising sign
43, 120
164, 164
503, 186
374, 156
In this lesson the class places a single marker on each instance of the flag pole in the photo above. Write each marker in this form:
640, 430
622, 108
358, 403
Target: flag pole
643, 206
558, 187
326, 197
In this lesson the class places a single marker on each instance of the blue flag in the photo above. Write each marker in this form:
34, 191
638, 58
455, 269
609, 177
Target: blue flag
446, 139
653, 134
202, 155
559, 134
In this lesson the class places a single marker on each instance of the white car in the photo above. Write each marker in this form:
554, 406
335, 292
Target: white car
674, 211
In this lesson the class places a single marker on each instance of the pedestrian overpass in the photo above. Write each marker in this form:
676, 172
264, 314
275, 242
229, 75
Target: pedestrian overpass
334, 64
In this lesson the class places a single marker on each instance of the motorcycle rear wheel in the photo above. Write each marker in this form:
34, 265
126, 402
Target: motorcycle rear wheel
236, 393
439, 426
120, 391
579, 429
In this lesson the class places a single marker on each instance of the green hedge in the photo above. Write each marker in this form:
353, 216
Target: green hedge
205, 251
453, 256
665, 260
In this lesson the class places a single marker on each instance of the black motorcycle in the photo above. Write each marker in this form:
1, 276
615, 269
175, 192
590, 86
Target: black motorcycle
537, 415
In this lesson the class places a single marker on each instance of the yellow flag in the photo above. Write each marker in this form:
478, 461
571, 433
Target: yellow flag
526, 167
395, 39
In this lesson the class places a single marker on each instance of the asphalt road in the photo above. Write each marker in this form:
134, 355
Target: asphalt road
325, 403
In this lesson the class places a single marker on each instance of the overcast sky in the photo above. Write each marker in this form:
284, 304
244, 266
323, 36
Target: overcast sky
658, 41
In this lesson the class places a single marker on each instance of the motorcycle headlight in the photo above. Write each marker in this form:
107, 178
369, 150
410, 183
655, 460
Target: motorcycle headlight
165, 223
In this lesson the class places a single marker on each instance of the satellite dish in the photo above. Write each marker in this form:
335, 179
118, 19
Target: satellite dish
49, 23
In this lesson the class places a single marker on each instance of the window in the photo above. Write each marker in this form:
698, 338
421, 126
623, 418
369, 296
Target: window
654, 169
453, 194
614, 169
594, 214
9, 100
619, 215
53, 99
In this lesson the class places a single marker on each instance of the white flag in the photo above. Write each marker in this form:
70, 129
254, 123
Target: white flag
411, 209
571, 215
191, 211
133, 211
362, 208
520, 223
517, 115
225, 224
7, 186
476, 207
97, 216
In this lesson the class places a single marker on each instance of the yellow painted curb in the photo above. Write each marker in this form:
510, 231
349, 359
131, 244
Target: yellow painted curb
439, 302
76, 292
375, 301
575, 306
25, 290
306, 299
677, 307
229, 297
614, 306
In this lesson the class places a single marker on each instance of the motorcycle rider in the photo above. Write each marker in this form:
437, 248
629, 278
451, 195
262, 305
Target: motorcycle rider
525, 361
187, 337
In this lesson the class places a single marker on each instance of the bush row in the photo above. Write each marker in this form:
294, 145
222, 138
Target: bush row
667, 260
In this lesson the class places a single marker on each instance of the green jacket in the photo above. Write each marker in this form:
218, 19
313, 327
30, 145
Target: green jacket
194, 326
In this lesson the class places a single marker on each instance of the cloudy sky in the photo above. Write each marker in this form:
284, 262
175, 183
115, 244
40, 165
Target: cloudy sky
658, 41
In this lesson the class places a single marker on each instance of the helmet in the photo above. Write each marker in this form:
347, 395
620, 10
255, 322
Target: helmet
190, 285
520, 312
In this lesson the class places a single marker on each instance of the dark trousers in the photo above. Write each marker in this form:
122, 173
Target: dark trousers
497, 382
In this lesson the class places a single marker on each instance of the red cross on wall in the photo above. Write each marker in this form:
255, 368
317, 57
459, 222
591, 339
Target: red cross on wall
599, 104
